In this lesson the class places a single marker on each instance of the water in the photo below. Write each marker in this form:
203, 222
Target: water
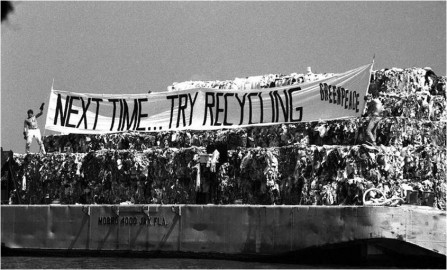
315, 259
26, 262
126, 262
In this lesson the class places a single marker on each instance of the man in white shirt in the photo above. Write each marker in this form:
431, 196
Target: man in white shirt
31, 130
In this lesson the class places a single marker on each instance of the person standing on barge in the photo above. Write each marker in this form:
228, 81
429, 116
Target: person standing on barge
31, 130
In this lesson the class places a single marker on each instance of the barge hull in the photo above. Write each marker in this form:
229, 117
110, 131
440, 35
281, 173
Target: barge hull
223, 229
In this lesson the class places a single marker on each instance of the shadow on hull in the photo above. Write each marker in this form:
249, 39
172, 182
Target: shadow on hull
360, 253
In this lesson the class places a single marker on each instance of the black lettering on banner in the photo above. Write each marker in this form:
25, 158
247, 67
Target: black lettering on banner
241, 104
250, 109
354, 94
298, 109
181, 109
84, 111
121, 116
59, 109
275, 93
261, 120
173, 97
338, 95
114, 101
192, 106
100, 221
300, 113
140, 115
357, 103
286, 95
97, 100
226, 108
334, 94
321, 91
272, 99
134, 118
350, 100
209, 105
346, 98
326, 91
284, 106
218, 109
330, 90
70, 111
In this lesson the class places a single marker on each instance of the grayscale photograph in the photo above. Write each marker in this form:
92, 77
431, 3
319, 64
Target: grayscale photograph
223, 135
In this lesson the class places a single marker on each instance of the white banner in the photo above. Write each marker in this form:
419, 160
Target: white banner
340, 96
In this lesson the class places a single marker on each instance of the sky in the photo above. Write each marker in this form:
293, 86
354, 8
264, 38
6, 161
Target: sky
135, 47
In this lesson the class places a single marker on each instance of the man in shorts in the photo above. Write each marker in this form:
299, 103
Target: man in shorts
31, 130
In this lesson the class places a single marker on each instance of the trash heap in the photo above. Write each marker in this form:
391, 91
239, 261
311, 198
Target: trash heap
318, 163
392, 131
252, 82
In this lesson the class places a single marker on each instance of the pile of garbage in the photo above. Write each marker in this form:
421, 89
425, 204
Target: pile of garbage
407, 81
252, 82
391, 131
394, 80
308, 175
317, 163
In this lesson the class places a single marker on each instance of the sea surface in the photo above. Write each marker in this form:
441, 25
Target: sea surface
92, 262
27, 262
314, 259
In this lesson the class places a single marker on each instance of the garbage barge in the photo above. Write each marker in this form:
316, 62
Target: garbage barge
225, 230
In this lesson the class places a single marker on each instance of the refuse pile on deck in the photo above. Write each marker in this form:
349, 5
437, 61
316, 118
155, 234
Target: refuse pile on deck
318, 163
392, 131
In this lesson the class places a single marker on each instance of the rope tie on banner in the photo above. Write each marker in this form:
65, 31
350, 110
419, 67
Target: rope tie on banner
382, 201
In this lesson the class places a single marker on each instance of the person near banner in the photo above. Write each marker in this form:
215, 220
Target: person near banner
430, 78
374, 111
31, 130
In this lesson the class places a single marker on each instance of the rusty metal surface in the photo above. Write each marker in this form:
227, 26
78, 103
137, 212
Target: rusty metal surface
230, 229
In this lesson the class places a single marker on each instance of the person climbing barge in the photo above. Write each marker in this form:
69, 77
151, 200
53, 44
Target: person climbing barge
31, 130
374, 112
